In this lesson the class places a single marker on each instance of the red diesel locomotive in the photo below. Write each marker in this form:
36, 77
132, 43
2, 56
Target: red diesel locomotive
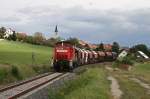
67, 56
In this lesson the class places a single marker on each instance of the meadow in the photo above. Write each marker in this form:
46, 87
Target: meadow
20, 55
142, 71
130, 88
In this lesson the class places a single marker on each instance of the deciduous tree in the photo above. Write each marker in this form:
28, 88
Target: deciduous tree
115, 47
2, 32
38, 38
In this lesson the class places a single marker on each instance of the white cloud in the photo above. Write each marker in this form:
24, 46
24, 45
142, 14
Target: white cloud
92, 20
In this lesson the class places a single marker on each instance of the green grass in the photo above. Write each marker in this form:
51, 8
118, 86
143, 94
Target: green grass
131, 89
20, 55
92, 84
142, 71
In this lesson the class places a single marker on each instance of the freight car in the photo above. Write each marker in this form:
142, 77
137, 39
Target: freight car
67, 56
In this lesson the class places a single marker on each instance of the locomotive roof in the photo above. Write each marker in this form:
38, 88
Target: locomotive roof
63, 42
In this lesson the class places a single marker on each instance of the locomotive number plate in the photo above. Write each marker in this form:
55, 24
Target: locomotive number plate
61, 51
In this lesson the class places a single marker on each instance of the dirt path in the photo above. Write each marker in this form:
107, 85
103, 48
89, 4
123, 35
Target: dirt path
144, 85
116, 92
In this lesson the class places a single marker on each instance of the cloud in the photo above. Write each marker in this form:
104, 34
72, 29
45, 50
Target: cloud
93, 25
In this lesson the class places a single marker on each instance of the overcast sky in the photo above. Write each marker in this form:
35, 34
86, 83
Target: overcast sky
125, 21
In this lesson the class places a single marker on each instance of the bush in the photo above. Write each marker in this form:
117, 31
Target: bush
3, 74
15, 72
127, 60
41, 68
29, 39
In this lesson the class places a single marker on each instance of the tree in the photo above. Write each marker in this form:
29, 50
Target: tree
115, 47
13, 36
29, 39
38, 38
101, 47
21, 36
2, 32
51, 42
74, 41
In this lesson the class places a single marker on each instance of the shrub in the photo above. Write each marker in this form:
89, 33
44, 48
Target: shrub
29, 39
41, 68
127, 60
3, 74
15, 72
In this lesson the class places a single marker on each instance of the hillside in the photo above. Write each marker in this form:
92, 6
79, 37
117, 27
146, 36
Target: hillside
16, 57
21, 53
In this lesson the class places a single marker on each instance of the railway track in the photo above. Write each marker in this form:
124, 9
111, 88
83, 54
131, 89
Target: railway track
17, 90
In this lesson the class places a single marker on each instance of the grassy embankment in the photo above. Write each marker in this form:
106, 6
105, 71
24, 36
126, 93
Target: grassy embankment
92, 84
142, 71
16, 59
130, 88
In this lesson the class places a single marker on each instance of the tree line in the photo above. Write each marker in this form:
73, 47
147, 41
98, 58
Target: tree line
37, 38
133, 49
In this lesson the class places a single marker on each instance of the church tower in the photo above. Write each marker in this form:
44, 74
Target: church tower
56, 32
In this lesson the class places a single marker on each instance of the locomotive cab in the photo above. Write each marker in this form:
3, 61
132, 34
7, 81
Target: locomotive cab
63, 56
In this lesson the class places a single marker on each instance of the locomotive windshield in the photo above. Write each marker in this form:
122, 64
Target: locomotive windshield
63, 51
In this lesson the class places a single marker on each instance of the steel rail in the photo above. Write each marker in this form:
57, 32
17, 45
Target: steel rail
26, 81
34, 87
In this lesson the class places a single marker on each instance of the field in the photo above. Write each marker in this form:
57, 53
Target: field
134, 83
20, 55
94, 84
142, 71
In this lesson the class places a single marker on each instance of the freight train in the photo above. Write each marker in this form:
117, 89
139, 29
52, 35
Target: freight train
67, 56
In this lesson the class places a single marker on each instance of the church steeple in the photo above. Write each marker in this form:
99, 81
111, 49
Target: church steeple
56, 32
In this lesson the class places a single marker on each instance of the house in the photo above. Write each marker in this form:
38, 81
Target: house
82, 43
107, 47
123, 54
87, 45
141, 54
92, 46
8, 32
